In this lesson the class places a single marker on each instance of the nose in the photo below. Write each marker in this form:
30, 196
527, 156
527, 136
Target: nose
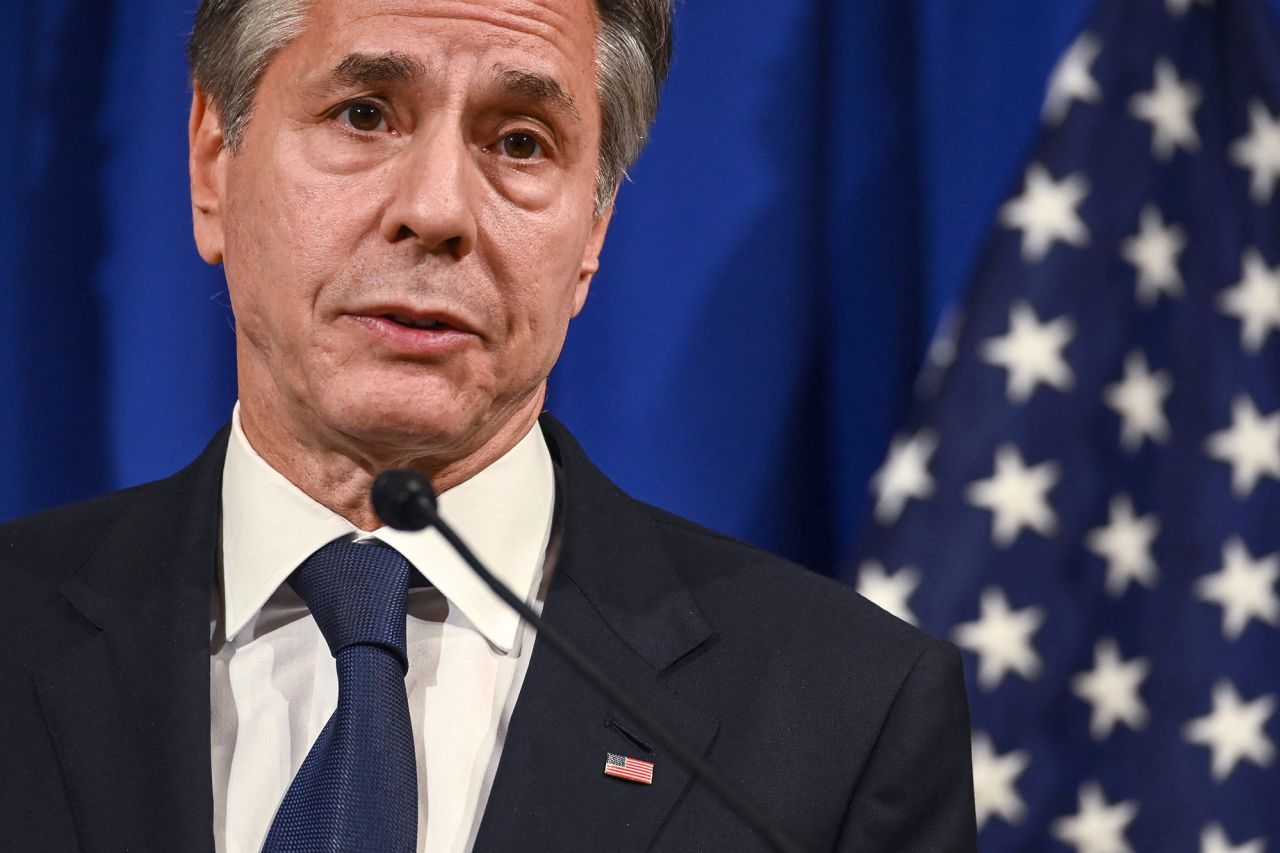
432, 197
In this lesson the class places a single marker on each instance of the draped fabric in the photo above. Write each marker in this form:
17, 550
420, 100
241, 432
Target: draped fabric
117, 344
817, 189
1085, 498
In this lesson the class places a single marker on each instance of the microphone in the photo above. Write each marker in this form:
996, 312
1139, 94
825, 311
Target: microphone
404, 500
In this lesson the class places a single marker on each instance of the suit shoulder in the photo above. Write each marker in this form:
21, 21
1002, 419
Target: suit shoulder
804, 651
786, 598
52, 543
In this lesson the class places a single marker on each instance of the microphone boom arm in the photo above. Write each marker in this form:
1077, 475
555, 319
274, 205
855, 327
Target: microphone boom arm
702, 770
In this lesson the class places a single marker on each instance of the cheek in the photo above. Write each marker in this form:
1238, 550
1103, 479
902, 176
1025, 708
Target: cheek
286, 238
550, 239
543, 257
531, 191
313, 220
248, 270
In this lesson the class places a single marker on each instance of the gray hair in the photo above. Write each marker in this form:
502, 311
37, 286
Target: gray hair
234, 41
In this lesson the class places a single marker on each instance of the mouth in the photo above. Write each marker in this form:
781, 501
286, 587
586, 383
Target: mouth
416, 319
411, 322
416, 333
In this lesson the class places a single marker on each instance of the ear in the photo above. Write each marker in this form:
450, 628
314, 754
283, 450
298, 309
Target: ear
207, 164
591, 257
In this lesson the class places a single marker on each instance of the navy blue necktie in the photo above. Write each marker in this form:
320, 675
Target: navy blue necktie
357, 789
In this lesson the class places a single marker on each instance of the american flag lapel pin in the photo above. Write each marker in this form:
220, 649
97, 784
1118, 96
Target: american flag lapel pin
631, 769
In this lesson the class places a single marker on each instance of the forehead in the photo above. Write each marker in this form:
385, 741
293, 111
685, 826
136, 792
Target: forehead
558, 33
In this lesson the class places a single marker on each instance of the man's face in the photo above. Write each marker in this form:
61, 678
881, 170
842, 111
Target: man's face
407, 226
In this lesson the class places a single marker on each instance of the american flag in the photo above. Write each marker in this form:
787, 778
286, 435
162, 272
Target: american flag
628, 768
1087, 498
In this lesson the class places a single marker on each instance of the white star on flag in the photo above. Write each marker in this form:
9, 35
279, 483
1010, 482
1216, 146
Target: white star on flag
1180, 7
1154, 252
1251, 445
1259, 152
1031, 352
1111, 689
890, 592
1046, 211
1244, 588
1098, 827
1168, 107
1072, 79
1017, 496
1213, 839
1254, 300
1125, 543
1001, 638
995, 781
1138, 399
904, 475
1233, 730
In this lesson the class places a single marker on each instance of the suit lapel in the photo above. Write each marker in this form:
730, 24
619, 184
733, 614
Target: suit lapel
616, 593
128, 708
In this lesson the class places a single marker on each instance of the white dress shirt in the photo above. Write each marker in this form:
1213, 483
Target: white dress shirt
273, 679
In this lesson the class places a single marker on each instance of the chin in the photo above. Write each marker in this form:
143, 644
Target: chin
419, 418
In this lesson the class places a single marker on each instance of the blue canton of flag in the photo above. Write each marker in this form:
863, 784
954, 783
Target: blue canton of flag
1087, 500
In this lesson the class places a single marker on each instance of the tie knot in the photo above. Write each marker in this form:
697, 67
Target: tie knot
357, 594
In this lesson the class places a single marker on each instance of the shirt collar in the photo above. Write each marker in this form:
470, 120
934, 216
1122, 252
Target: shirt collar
269, 526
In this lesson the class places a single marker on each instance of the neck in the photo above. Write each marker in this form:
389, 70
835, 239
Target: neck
338, 470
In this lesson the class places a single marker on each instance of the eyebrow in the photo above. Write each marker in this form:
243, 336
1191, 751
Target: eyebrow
537, 87
362, 69
367, 69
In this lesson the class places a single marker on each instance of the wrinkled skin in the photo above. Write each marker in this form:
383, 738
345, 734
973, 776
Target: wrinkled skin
428, 161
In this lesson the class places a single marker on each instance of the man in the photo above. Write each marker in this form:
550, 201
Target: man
409, 198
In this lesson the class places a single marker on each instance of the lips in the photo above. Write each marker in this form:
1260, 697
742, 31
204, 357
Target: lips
418, 334
416, 322
418, 317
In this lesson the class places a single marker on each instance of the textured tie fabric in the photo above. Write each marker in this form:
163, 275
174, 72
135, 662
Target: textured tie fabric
357, 788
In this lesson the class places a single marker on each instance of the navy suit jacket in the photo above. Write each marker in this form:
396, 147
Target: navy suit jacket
847, 726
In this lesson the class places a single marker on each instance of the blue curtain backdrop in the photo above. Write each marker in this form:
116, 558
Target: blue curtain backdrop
819, 184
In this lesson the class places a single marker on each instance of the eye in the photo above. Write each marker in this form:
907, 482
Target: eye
364, 116
520, 146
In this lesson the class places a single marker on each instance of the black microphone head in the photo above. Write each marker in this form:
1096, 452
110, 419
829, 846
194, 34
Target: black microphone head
404, 500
